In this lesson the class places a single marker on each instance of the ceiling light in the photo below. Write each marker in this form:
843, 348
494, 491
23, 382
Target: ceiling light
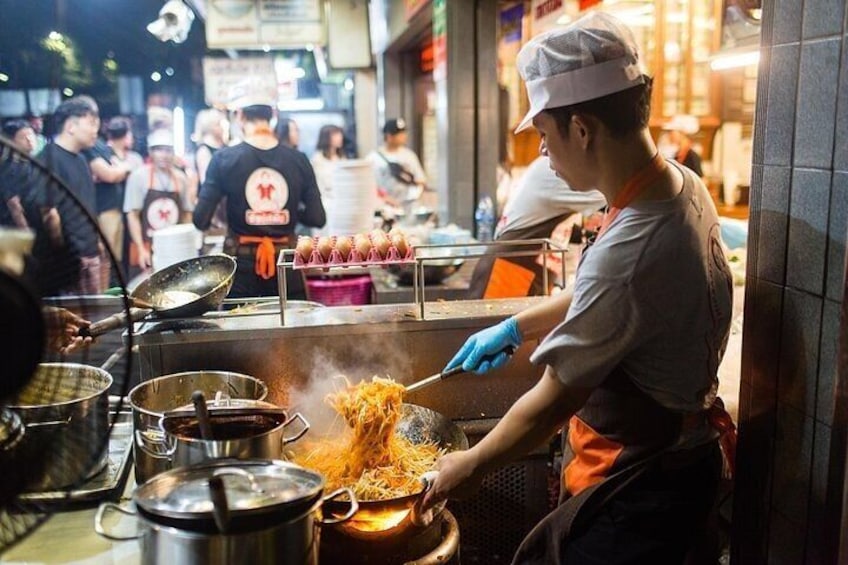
68, 92
735, 59
169, 71
155, 76
4, 77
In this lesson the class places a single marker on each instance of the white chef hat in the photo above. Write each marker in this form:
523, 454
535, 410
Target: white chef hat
160, 138
252, 91
592, 57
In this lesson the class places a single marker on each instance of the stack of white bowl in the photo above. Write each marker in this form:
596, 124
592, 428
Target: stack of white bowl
174, 244
351, 207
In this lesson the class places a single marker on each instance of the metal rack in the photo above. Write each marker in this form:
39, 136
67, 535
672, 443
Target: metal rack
426, 254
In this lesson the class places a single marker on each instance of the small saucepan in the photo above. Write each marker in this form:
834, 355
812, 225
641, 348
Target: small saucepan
185, 289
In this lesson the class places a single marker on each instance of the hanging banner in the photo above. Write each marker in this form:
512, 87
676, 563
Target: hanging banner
511, 24
220, 73
440, 40
263, 24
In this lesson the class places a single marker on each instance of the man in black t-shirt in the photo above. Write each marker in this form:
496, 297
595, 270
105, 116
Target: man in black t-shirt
16, 208
77, 122
269, 188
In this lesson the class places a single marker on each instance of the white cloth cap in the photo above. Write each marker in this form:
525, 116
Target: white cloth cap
592, 57
251, 91
160, 138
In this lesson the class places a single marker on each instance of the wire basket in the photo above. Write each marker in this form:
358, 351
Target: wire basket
340, 291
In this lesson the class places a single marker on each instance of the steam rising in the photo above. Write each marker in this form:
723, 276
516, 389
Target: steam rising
355, 359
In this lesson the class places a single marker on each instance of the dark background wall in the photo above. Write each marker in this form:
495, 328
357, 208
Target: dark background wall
791, 459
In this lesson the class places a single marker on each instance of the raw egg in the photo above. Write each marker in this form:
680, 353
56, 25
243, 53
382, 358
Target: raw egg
304, 247
362, 245
381, 244
344, 245
325, 247
399, 241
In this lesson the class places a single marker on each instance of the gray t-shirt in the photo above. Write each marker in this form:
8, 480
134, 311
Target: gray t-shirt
653, 296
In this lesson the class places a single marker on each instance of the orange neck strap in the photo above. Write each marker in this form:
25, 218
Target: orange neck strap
633, 188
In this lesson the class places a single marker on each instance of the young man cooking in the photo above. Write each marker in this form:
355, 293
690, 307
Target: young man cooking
157, 196
269, 187
632, 350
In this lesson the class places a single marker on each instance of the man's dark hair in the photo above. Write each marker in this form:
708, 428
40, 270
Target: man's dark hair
76, 107
12, 127
259, 112
622, 112
117, 128
283, 129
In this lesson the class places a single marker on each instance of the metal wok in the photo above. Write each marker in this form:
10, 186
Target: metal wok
185, 289
418, 425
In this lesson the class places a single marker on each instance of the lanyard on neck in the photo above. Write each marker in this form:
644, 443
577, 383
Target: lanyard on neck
633, 188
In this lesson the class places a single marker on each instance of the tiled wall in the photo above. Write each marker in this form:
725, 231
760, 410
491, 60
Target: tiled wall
791, 457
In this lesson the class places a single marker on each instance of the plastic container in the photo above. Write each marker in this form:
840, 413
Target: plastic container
341, 291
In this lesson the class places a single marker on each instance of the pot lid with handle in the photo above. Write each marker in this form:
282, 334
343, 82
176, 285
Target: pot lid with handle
253, 488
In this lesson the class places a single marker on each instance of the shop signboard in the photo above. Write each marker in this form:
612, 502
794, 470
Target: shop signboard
545, 13
586, 4
221, 73
263, 24
413, 6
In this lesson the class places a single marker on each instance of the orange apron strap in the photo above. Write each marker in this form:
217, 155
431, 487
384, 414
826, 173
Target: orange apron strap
266, 255
722, 422
508, 280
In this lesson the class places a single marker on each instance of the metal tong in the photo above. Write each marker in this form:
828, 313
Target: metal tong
509, 350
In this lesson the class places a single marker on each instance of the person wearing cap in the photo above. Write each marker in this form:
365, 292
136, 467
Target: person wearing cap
400, 176
631, 351
269, 188
111, 162
157, 196
676, 144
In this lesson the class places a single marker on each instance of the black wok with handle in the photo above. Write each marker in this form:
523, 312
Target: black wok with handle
419, 425
185, 289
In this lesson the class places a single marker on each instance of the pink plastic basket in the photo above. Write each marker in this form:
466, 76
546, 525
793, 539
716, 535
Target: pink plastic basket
341, 291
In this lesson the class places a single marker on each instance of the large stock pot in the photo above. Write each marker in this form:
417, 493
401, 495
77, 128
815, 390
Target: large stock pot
246, 429
64, 409
229, 512
151, 399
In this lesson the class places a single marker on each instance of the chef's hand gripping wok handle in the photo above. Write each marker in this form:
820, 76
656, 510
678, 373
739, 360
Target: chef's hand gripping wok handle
423, 383
113, 322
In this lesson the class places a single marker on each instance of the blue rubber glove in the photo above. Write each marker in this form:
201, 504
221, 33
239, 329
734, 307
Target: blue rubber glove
489, 343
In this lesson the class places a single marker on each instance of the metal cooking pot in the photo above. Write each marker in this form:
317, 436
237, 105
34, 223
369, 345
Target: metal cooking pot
182, 290
65, 414
151, 399
419, 425
247, 429
230, 512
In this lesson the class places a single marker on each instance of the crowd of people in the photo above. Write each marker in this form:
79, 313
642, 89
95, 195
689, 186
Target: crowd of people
131, 196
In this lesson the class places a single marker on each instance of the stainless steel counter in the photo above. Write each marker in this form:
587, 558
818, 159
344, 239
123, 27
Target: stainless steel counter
357, 341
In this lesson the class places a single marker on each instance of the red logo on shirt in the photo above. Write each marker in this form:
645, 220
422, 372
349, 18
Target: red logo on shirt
267, 194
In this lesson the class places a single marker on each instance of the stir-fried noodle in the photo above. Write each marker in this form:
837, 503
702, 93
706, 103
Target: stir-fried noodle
375, 462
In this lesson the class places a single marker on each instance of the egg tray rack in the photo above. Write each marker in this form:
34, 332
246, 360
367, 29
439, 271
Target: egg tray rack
418, 256
393, 256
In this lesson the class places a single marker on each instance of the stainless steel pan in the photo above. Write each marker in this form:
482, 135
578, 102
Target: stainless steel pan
185, 289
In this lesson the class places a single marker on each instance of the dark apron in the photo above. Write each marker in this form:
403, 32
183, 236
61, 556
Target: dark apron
639, 432
247, 283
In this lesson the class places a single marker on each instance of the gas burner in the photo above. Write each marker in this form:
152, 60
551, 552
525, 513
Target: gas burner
178, 325
436, 544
